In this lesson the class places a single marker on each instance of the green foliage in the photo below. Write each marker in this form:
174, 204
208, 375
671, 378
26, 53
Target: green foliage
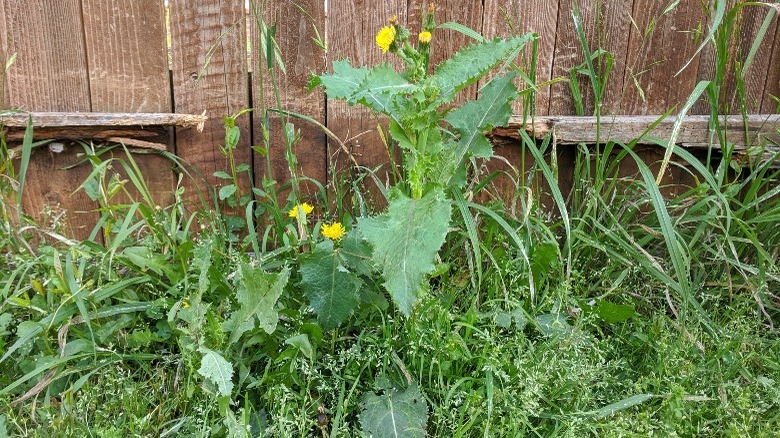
256, 295
395, 414
216, 370
405, 240
331, 288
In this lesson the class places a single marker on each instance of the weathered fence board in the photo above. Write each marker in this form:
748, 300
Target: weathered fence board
50, 74
772, 86
301, 56
209, 53
653, 85
606, 26
128, 72
539, 16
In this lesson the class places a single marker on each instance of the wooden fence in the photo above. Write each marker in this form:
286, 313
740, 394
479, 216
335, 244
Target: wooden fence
196, 56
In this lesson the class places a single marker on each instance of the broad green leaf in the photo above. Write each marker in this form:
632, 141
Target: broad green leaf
626, 403
331, 288
227, 191
470, 64
357, 254
3, 427
491, 109
378, 88
395, 414
216, 370
613, 313
405, 240
344, 80
553, 324
201, 261
302, 343
257, 294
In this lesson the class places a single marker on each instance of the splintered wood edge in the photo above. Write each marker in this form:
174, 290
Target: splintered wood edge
693, 132
18, 119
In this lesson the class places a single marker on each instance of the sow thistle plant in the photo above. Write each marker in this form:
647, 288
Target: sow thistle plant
437, 139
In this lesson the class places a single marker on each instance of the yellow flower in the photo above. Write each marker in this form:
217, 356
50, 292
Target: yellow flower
307, 209
385, 38
333, 231
425, 37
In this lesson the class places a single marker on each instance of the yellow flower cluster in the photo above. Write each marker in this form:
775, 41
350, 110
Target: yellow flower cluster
385, 38
307, 209
424, 37
333, 231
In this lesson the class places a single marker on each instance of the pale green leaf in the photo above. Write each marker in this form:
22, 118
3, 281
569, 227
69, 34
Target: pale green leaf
491, 109
227, 191
331, 288
216, 370
626, 403
470, 64
344, 80
395, 414
257, 294
302, 343
405, 240
379, 87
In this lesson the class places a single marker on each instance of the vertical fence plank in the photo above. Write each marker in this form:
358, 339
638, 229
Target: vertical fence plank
772, 86
209, 62
539, 16
301, 56
50, 74
351, 28
750, 21
607, 26
128, 71
658, 49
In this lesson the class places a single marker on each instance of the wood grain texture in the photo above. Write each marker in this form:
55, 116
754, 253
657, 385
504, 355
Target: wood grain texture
538, 16
128, 72
50, 74
68, 119
658, 49
694, 132
772, 86
351, 28
748, 24
606, 26
210, 74
301, 57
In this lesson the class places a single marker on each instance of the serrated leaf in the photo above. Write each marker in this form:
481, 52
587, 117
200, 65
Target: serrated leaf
472, 119
257, 294
344, 80
201, 261
331, 288
356, 252
471, 63
405, 240
378, 88
395, 414
216, 370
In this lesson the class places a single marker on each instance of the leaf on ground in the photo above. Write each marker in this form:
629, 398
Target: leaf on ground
396, 414
216, 370
257, 294
552, 324
405, 240
331, 288
626, 403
